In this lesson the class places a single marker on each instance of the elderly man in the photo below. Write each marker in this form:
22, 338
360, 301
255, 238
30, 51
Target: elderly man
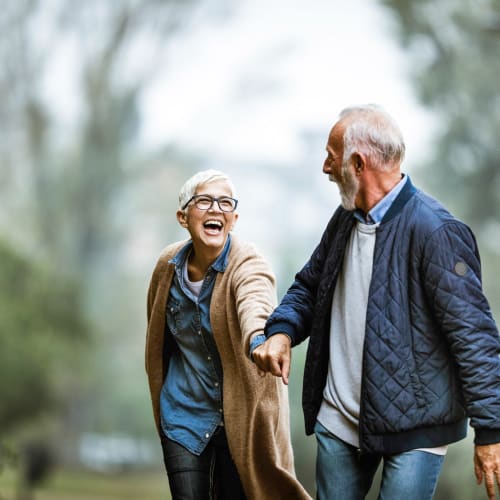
402, 344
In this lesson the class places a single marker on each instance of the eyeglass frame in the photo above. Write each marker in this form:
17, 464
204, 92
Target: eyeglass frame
193, 198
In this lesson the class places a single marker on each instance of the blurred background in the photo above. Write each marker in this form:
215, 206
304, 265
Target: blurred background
107, 107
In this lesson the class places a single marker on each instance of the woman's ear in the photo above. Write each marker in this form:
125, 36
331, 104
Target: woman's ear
182, 218
235, 218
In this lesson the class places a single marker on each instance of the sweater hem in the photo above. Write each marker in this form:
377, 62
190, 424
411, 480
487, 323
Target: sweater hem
422, 437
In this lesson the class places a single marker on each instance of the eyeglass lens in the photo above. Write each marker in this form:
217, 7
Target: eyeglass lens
205, 202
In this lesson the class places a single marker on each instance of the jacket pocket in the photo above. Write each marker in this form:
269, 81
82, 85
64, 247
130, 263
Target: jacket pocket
416, 383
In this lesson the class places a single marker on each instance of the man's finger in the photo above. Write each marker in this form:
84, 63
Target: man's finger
259, 362
478, 471
285, 369
490, 486
275, 367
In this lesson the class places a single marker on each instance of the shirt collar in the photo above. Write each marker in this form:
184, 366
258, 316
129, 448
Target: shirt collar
219, 264
376, 214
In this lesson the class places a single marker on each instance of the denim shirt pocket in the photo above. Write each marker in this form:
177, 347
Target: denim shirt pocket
174, 316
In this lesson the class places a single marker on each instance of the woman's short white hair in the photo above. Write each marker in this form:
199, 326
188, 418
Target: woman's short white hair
371, 130
188, 190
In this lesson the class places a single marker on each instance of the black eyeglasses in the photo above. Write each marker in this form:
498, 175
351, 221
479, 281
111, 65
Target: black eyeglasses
206, 202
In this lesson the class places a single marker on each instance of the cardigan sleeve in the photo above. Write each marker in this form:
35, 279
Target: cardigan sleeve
153, 285
159, 274
254, 288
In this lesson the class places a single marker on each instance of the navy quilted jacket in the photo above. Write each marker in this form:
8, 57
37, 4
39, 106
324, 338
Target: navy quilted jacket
431, 351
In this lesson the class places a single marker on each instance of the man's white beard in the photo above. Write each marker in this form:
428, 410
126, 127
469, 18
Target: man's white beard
348, 188
347, 201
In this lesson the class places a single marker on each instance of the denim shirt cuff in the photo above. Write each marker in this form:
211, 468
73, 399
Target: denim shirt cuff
256, 341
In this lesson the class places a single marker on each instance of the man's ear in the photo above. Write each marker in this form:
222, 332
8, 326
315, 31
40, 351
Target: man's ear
358, 161
182, 218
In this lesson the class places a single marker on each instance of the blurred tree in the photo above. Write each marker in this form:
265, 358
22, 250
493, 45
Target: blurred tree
75, 177
40, 328
71, 77
453, 51
453, 48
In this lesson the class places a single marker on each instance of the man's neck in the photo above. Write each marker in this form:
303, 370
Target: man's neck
375, 187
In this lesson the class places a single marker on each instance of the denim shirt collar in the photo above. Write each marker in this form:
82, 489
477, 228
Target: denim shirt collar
376, 214
219, 264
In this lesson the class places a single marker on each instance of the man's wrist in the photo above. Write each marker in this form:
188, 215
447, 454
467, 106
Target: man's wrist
282, 333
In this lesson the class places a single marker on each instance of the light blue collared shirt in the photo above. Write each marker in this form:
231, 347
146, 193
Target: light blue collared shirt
376, 214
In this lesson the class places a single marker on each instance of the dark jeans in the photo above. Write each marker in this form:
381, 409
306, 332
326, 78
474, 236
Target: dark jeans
209, 475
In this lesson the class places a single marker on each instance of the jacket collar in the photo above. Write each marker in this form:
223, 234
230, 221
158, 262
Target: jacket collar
397, 205
403, 197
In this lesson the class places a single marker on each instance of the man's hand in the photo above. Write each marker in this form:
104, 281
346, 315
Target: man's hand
274, 356
487, 466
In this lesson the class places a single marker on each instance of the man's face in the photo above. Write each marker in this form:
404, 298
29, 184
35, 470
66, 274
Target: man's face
335, 151
339, 171
348, 186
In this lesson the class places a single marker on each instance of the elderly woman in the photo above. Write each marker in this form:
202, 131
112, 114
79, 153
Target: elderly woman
224, 430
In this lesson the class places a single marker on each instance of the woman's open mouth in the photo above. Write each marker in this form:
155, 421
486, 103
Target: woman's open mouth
213, 226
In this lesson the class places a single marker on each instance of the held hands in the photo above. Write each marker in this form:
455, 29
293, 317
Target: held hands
274, 356
487, 466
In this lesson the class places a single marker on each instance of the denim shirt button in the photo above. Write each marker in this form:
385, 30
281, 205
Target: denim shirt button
207, 435
209, 358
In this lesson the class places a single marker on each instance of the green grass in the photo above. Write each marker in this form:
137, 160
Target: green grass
84, 485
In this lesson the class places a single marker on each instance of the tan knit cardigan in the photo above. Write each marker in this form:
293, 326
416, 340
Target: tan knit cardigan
256, 411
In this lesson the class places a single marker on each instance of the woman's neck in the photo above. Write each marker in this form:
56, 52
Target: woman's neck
200, 261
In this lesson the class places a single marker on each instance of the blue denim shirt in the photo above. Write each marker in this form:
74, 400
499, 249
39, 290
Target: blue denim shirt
191, 397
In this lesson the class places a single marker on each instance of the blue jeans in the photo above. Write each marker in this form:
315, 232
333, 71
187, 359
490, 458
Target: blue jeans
209, 475
344, 474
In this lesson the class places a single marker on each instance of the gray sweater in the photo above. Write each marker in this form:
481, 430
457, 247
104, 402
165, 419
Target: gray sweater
339, 412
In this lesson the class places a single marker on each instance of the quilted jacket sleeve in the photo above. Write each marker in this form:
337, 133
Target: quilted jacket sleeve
294, 314
452, 279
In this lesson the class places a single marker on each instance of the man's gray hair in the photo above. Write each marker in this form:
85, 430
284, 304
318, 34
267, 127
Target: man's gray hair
189, 188
371, 130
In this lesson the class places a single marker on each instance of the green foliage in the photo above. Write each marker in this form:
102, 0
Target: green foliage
75, 193
40, 325
454, 47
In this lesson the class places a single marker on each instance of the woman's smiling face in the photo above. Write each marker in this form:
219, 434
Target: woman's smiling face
209, 228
